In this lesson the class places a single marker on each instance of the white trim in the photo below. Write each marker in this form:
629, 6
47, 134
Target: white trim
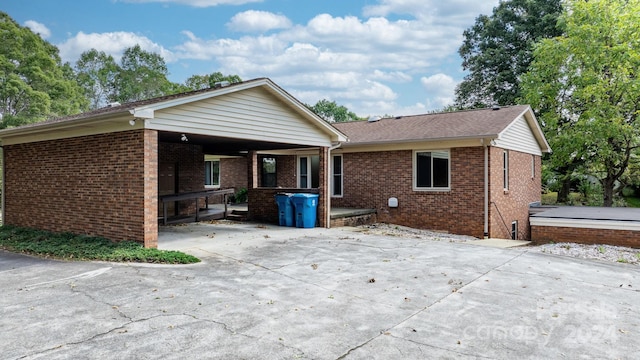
415, 174
213, 186
505, 170
309, 174
585, 223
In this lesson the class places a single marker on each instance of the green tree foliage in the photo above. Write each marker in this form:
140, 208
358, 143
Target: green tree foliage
497, 50
96, 73
585, 87
34, 84
332, 112
200, 82
142, 75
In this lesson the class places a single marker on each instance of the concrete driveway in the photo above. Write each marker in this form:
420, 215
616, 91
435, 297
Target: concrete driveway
266, 292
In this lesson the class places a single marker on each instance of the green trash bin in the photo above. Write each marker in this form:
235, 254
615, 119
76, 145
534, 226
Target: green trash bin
306, 208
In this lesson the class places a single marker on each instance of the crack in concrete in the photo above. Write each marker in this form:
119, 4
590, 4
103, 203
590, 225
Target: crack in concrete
225, 326
344, 356
429, 306
474, 355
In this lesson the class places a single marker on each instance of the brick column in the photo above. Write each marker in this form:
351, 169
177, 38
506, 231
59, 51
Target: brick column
324, 200
252, 170
150, 188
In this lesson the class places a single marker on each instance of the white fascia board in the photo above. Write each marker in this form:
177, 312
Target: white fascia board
585, 224
536, 129
265, 82
142, 113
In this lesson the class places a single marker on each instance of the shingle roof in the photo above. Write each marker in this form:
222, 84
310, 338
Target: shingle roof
452, 125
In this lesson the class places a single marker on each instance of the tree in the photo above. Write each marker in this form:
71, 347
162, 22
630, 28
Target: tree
585, 86
332, 112
142, 75
96, 72
497, 50
199, 82
34, 84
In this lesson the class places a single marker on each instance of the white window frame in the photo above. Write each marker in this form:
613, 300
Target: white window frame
299, 171
310, 174
415, 171
533, 166
333, 176
505, 169
213, 185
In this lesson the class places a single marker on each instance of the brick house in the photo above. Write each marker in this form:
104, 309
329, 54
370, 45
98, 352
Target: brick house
470, 172
104, 172
108, 172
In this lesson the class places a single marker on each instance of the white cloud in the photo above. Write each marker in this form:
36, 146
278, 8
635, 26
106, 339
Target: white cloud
258, 21
440, 88
371, 64
196, 3
456, 12
38, 28
112, 43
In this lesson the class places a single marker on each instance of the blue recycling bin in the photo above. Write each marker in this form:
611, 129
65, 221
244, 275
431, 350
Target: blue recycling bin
285, 210
306, 206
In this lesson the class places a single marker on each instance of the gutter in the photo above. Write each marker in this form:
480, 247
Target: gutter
328, 183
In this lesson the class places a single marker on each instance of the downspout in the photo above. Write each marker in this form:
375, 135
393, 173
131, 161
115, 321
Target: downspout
328, 183
486, 187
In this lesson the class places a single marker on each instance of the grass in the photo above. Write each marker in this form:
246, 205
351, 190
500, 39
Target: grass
632, 201
551, 197
67, 246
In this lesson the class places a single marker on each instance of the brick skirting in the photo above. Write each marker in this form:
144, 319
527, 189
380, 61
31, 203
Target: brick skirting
545, 234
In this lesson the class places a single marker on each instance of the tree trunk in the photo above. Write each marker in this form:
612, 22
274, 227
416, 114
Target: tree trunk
565, 189
608, 184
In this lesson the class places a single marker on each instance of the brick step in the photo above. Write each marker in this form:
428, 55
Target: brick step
238, 215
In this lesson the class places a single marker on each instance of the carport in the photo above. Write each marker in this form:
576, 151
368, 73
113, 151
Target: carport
101, 173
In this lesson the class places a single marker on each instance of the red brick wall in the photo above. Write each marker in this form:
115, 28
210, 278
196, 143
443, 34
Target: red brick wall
286, 170
370, 179
512, 205
233, 173
150, 188
98, 185
546, 234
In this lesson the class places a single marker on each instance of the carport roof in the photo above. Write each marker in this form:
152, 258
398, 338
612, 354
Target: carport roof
117, 117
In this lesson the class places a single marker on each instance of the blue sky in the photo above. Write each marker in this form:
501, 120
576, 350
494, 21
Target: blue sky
376, 57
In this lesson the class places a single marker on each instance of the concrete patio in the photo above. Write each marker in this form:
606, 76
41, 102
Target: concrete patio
272, 292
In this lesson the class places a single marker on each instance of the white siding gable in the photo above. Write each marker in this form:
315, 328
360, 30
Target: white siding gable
519, 137
251, 114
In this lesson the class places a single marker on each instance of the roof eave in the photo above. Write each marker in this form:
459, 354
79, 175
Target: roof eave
43, 127
483, 137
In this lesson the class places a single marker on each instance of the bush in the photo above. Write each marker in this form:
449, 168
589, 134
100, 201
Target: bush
241, 196
68, 246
